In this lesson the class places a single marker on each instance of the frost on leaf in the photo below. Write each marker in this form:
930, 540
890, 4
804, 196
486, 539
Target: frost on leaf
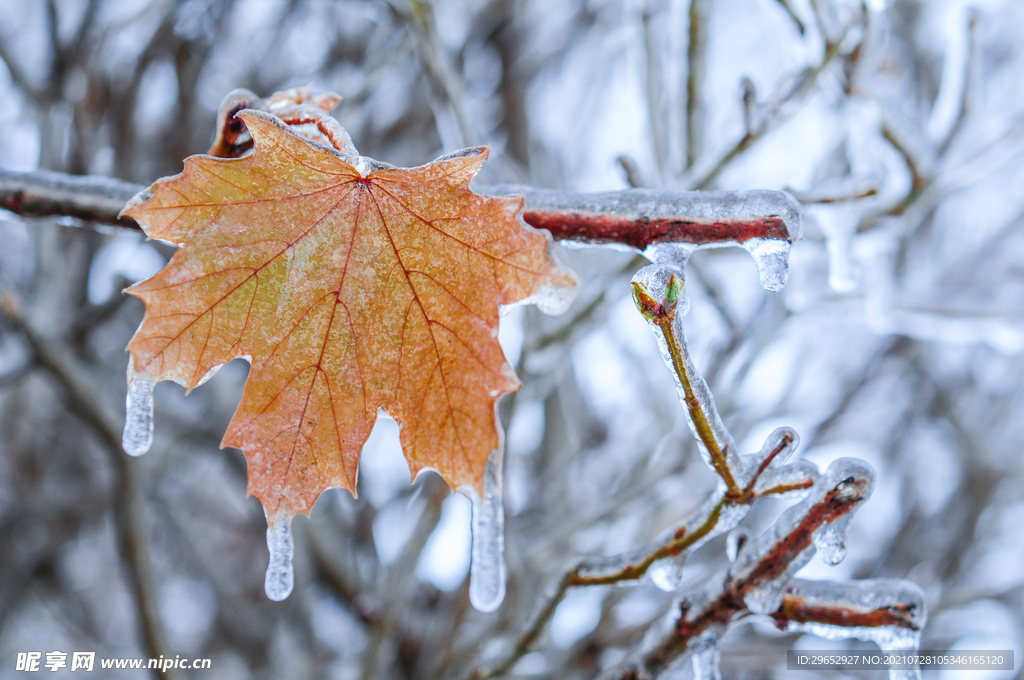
351, 290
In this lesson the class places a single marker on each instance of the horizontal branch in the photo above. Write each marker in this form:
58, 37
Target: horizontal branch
639, 218
92, 198
831, 604
635, 218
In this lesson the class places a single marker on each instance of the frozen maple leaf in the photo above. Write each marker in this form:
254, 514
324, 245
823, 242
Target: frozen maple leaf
350, 290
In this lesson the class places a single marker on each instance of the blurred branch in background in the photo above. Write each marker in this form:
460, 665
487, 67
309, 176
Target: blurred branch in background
898, 339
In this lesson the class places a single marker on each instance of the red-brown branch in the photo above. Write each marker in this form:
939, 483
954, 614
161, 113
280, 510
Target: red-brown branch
799, 610
678, 217
729, 604
641, 231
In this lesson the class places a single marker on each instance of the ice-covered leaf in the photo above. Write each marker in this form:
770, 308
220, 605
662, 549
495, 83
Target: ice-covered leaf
353, 288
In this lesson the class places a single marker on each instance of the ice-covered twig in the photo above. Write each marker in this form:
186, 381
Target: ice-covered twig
439, 69
878, 610
635, 218
657, 290
756, 582
793, 15
640, 218
400, 577
763, 222
653, 89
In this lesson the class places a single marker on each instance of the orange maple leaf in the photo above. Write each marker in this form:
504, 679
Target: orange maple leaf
349, 293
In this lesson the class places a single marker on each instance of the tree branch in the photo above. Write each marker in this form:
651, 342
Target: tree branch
695, 68
760, 576
44, 193
636, 218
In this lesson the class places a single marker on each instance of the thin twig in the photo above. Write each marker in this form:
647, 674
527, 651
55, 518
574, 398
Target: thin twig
793, 15
772, 118
854, 194
130, 504
421, 23
695, 69
965, 93
91, 197
531, 634
653, 89
633, 175
706, 425
919, 180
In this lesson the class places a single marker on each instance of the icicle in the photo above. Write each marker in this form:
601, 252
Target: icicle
138, 422
839, 226
830, 540
705, 662
487, 568
280, 575
772, 259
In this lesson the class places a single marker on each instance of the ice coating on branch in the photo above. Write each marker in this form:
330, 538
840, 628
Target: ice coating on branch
892, 613
780, 446
846, 484
676, 254
654, 280
280, 575
774, 474
138, 422
487, 563
706, 662
790, 481
667, 574
667, 226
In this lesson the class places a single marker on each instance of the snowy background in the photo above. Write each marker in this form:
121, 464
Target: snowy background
899, 339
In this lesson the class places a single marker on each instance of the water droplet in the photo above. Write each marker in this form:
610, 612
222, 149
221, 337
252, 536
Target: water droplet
280, 575
487, 565
667, 574
138, 422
